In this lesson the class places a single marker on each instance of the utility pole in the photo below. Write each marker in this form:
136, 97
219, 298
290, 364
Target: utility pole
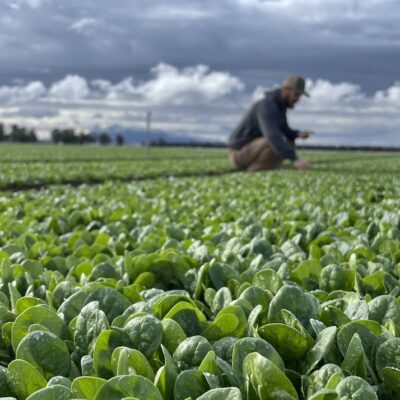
148, 130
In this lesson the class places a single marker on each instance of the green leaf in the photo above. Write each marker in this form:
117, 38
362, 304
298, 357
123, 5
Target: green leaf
166, 376
327, 377
164, 305
191, 351
189, 317
334, 380
391, 379
324, 394
268, 279
289, 342
238, 312
289, 319
222, 298
388, 355
38, 315
222, 394
128, 386
58, 392
87, 366
190, 383
264, 380
375, 283
384, 308
104, 270
46, 351
209, 364
325, 340
25, 302
173, 334
86, 387
90, 323
307, 270
354, 387
4, 382
354, 359
336, 277
332, 315
303, 305
223, 326
111, 302
220, 274
245, 346
126, 361
144, 333
106, 343
224, 348
18, 371
258, 297
60, 380
367, 330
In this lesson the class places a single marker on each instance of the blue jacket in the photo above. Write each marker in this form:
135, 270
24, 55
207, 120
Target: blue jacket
267, 117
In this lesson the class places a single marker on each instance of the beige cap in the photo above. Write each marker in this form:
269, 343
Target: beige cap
297, 83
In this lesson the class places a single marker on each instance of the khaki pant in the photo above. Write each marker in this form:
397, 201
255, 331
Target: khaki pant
256, 156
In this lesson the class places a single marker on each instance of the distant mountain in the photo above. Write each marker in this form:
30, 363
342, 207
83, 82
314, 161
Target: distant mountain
137, 136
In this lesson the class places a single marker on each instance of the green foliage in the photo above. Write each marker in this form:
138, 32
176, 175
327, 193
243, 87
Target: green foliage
261, 286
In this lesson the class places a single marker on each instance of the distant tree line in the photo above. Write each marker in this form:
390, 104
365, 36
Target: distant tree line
67, 136
163, 143
18, 134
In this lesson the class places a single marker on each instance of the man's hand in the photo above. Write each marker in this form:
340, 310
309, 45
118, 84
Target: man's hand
304, 134
301, 165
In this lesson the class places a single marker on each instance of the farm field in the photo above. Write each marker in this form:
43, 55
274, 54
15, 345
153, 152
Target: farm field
33, 166
161, 282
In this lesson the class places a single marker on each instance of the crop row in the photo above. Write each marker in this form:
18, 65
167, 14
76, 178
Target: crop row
31, 175
74, 153
14, 175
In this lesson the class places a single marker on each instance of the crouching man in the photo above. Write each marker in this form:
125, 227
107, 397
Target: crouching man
263, 139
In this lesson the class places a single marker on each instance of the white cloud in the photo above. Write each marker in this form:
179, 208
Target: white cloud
122, 90
171, 86
85, 25
13, 6
22, 94
325, 92
189, 86
34, 4
174, 12
390, 96
314, 11
71, 88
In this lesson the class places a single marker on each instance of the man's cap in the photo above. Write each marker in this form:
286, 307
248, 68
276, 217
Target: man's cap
297, 83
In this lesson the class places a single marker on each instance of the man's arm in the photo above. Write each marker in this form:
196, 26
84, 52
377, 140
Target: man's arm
270, 123
304, 134
301, 165
290, 133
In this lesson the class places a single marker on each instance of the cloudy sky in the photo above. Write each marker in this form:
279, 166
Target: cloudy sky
199, 64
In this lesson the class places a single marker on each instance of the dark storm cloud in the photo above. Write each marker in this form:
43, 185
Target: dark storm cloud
256, 40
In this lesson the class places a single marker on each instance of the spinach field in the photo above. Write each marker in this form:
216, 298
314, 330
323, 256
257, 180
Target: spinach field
161, 282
